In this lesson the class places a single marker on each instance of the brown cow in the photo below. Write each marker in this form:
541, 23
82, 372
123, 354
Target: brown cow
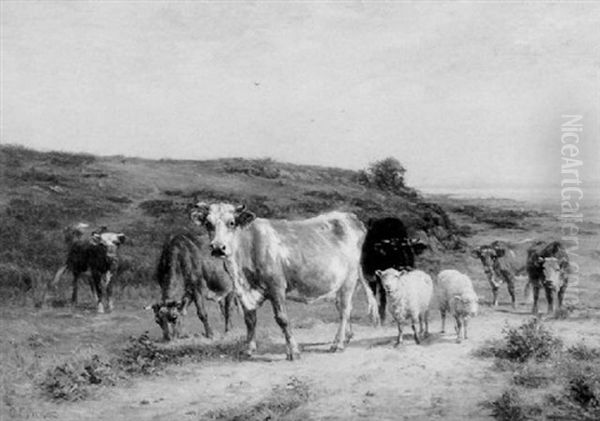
94, 251
547, 267
185, 260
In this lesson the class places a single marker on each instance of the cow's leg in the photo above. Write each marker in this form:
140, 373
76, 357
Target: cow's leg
75, 288
536, 296
97, 281
510, 284
465, 324
201, 312
93, 290
426, 315
225, 306
527, 293
349, 333
561, 295
382, 303
108, 285
345, 308
421, 328
495, 295
250, 320
549, 298
279, 310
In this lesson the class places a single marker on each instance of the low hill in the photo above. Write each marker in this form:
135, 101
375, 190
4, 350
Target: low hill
42, 192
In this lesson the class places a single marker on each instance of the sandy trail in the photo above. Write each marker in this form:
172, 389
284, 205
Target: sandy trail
369, 380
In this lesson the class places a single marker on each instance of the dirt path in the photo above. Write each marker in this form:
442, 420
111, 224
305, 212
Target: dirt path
370, 380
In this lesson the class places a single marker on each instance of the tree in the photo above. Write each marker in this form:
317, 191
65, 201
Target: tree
387, 174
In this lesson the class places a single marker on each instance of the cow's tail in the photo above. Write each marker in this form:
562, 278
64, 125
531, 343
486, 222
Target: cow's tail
57, 276
372, 306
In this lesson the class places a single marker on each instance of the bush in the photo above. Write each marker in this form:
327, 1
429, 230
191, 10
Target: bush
142, 356
264, 168
509, 407
531, 340
387, 175
582, 352
71, 381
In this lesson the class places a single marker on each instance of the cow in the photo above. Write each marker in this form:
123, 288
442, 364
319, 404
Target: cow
386, 246
97, 252
547, 267
318, 257
502, 262
185, 261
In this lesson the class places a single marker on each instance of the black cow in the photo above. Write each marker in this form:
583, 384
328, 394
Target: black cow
547, 267
185, 260
387, 245
96, 252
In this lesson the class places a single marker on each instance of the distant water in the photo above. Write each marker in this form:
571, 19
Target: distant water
548, 198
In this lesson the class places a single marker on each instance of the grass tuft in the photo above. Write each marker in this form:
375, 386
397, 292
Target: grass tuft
282, 400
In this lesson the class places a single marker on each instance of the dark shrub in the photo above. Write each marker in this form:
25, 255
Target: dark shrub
71, 381
264, 168
531, 340
509, 407
583, 352
158, 207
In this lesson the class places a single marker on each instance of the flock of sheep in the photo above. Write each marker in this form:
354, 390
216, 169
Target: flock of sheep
410, 293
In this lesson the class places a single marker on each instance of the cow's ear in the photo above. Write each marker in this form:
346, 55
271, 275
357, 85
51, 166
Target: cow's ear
499, 252
243, 216
540, 259
418, 246
378, 273
199, 212
121, 238
95, 237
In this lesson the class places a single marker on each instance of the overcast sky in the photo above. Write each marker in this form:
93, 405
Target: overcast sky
467, 93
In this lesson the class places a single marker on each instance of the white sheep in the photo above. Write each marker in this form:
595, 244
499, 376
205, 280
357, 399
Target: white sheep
456, 295
408, 295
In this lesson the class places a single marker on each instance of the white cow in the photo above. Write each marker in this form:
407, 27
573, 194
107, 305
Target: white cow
318, 257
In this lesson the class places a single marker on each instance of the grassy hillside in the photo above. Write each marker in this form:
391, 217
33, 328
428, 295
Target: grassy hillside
42, 192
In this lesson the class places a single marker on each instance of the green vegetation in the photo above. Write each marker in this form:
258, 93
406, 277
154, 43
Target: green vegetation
538, 360
42, 192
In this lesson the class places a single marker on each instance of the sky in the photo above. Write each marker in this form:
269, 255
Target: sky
463, 94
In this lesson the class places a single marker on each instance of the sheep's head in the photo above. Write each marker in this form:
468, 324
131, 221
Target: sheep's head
466, 305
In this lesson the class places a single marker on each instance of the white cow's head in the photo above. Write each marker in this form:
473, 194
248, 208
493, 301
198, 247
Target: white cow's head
221, 220
551, 267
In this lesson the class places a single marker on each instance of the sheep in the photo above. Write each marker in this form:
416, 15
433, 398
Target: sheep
409, 293
456, 295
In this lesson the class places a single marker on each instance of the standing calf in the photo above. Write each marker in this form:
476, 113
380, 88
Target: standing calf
457, 296
96, 252
409, 294
185, 260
